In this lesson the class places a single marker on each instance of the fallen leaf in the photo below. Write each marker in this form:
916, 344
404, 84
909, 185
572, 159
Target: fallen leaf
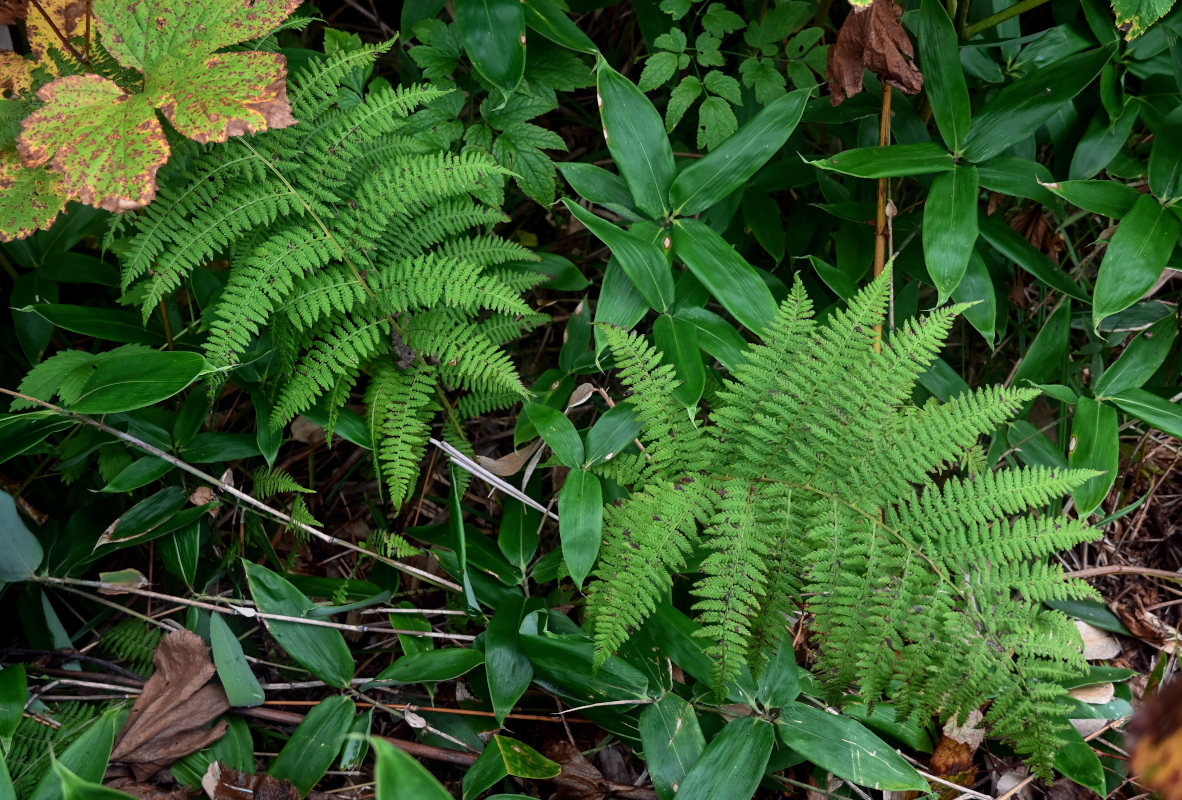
953, 761
872, 39
1098, 694
168, 720
202, 495
970, 733
1098, 644
12, 11
226, 783
1157, 755
509, 464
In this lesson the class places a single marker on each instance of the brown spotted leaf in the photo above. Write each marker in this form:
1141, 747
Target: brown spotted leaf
872, 39
30, 198
107, 145
54, 23
16, 73
169, 719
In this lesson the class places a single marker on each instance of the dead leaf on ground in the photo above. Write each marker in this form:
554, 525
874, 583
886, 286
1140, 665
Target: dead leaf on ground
168, 720
226, 783
1098, 644
509, 464
872, 39
11, 11
580, 780
146, 791
1157, 756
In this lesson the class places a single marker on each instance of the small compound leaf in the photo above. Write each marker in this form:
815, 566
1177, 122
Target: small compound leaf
106, 145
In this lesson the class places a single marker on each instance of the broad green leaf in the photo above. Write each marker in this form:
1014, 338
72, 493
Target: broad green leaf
517, 537
1165, 159
314, 744
86, 757
950, 226
893, 161
320, 650
939, 58
564, 663
1151, 409
180, 550
1140, 359
493, 33
14, 690
977, 287
1106, 198
112, 324
558, 432
105, 144
430, 666
731, 280
779, 683
1078, 761
22, 551
400, 777
636, 138
242, 687
1017, 177
706, 181
641, 260
235, 749
1014, 246
31, 200
1135, 258
356, 746
7, 790
611, 433
716, 336
506, 665
138, 473
580, 511
1047, 354
678, 343
147, 519
548, 19
1018, 110
620, 302
732, 764
75, 788
846, 748
673, 742
503, 757
1095, 444
135, 379
1138, 15
761, 213
1103, 141
600, 187
886, 721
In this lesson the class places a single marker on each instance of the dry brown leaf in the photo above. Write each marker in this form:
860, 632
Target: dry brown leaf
168, 720
872, 39
953, 761
509, 464
11, 11
226, 783
1157, 756
145, 791
1097, 694
1098, 644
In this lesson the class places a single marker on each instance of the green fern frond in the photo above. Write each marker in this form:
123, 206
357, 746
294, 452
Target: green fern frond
315, 87
134, 643
271, 481
399, 405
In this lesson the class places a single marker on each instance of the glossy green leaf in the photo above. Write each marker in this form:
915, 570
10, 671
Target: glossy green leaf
558, 432
580, 509
1106, 198
1149, 408
1018, 110
506, 665
127, 381
356, 745
944, 81
779, 683
950, 226
731, 280
597, 185
14, 690
1103, 141
430, 666
1135, 258
138, 473
503, 757
678, 343
1047, 354
112, 324
493, 35
1092, 612
707, 180
180, 550
86, 757
1141, 358
1165, 159
732, 765
893, 161
716, 336
885, 720
977, 287
564, 663
1014, 246
20, 433
673, 742
637, 141
75, 788
550, 20
242, 687
320, 650
22, 551
517, 537
611, 433
400, 777
314, 744
1078, 761
641, 260
1095, 445
846, 748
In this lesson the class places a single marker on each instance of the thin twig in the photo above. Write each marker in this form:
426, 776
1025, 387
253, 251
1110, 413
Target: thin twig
465, 463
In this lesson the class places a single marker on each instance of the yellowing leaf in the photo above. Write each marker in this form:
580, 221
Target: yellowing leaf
1135, 16
107, 145
48, 21
15, 73
30, 198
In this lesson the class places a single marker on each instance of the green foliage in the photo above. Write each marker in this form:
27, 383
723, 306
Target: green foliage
356, 247
815, 485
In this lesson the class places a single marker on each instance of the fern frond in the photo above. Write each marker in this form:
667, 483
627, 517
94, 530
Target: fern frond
271, 481
399, 406
315, 87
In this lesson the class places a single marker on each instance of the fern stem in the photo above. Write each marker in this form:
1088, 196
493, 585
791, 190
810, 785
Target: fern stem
167, 325
880, 213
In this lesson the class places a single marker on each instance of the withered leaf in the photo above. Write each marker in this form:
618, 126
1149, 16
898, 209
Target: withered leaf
169, 718
30, 198
12, 11
16, 74
46, 21
226, 783
1157, 756
872, 39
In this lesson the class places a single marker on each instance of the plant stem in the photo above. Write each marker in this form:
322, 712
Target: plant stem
880, 215
994, 20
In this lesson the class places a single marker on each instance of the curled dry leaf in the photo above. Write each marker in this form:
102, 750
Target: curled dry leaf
11, 11
226, 783
872, 39
1157, 756
168, 720
509, 464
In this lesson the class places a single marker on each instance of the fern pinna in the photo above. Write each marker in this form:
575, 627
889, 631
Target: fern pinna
816, 486
355, 248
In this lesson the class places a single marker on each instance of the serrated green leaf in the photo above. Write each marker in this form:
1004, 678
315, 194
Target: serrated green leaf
680, 99
1135, 258
675, 8
716, 121
659, 68
1094, 445
761, 76
720, 21
30, 198
724, 86
1138, 15
493, 34
673, 40
519, 148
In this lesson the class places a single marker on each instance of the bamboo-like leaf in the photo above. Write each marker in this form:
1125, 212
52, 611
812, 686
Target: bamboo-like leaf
636, 139
493, 33
1135, 257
